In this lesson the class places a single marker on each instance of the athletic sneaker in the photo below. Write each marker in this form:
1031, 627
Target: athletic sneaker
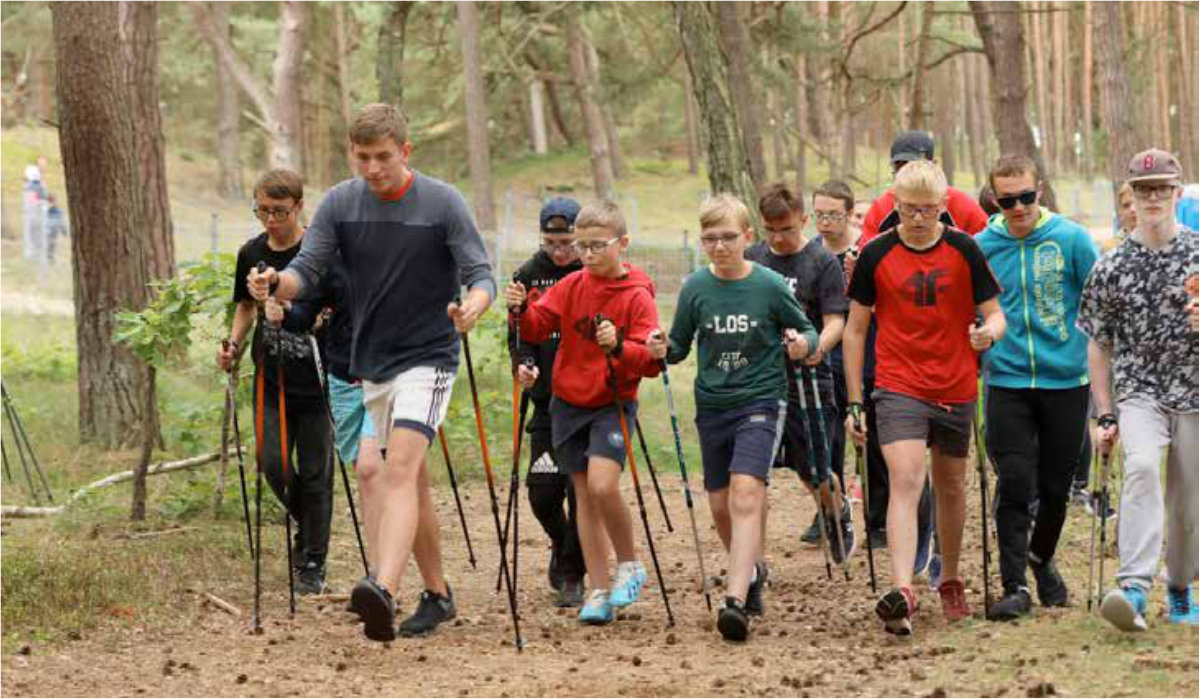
934, 571
432, 610
847, 530
377, 609
1081, 496
1181, 606
733, 621
570, 594
1125, 608
924, 550
1052, 591
351, 606
754, 595
310, 579
596, 610
896, 609
1013, 605
1093, 507
631, 576
954, 600
812, 535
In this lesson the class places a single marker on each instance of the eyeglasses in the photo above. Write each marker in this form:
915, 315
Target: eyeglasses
1154, 191
553, 247
829, 216
726, 239
594, 248
910, 211
1026, 198
273, 214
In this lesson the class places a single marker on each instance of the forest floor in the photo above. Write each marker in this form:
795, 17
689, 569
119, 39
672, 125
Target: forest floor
818, 638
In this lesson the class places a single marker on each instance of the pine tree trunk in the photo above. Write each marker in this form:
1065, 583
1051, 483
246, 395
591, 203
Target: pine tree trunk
389, 55
479, 154
1115, 91
970, 78
1187, 94
615, 153
916, 118
229, 162
689, 123
735, 43
137, 509
593, 120
110, 255
537, 116
1086, 85
800, 110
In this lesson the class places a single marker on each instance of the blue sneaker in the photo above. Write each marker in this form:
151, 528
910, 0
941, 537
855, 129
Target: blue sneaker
596, 609
924, 550
1125, 608
631, 577
1181, 606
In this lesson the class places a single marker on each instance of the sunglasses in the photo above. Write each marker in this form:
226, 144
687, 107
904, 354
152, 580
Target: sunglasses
1010, 200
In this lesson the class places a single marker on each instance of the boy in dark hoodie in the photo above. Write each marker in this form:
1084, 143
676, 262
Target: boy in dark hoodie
549, 486
586, 434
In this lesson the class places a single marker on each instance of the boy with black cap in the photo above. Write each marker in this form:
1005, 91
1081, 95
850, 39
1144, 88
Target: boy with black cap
1139, 311
549, 487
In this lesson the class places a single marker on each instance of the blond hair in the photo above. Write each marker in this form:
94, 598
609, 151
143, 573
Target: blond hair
376, 121
724, 208
603, 214
921, 178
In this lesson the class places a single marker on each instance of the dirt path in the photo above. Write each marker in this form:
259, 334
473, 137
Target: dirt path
819, 638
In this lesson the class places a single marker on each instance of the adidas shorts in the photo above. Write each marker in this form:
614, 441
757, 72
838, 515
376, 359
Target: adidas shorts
415, 399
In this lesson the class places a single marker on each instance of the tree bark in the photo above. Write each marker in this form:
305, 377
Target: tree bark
735, 43
1161, 71
800, 109
916, 117
975, 137
1114, 91
1004, 46
1045, 121
109, 251
689, 123
1187, 94
139, 33
537, 115
593, 120
1086, 85
615, 152
389, 56
229, 162
474, 95
728, 164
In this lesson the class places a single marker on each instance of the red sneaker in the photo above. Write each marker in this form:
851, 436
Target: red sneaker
954, 600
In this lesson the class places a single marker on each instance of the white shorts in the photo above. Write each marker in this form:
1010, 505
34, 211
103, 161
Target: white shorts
415, 399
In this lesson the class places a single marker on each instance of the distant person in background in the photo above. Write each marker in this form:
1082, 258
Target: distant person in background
987, 200
858, 215
55, 224
33, 213
1126, 217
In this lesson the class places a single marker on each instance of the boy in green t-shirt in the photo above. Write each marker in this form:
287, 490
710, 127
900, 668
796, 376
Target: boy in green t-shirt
738, 312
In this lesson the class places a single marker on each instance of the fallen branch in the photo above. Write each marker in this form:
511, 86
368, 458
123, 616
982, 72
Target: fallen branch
222, 604
24, 512
162, 532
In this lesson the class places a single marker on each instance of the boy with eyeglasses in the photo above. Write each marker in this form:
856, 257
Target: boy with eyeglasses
548, 486
1139, 311
739, 314
926, 282
1037, 379
815, 277
278, 201
604, 314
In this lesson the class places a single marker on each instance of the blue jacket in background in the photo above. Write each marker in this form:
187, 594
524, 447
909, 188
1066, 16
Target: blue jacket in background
1042, 277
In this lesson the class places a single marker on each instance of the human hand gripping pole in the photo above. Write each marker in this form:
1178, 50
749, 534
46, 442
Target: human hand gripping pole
637, 488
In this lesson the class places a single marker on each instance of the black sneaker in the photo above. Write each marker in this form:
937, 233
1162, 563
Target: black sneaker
554, 572
895, 609
376, 608
432, 610
754, 595
732, 621
848, 528
310, 579
1052, 591
1013, 605
831, 533
570, 594
812, 536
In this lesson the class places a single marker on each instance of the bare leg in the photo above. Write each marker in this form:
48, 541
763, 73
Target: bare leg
399, 503
604, 486
949, 482
591, 534
368, 470
906, 477
427, 547
746, 497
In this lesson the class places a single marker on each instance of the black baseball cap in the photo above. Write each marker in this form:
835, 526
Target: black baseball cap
563, 208
912, 145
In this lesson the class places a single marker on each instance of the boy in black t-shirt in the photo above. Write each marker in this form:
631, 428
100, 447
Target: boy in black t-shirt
308, 490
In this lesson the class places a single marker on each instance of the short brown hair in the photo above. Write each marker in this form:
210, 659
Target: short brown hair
1013, 165
724, 208
779, 200
280, 183
835, 189
376, 121
603, 214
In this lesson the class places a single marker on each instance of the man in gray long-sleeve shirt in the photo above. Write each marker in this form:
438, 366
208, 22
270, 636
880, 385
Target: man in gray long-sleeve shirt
408, 242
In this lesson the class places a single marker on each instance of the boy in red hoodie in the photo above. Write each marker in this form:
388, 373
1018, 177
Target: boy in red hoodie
585, 429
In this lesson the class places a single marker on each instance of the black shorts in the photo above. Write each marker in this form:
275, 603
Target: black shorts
580, 433
742, 440
798, 431
945, 426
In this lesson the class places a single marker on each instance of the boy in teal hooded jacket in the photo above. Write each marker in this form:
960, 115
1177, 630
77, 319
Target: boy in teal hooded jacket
1037, 379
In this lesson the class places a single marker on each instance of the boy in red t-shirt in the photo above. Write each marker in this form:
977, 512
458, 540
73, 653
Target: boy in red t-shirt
585, 428
926, 284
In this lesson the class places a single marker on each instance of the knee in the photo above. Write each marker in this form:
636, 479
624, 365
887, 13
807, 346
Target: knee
400, 470
745, 500
718, 504
604, 489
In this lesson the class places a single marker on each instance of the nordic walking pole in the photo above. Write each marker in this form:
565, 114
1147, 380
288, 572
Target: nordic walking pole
637, 487
687, 489
860, 464
362, 550
462, 519
231, 393
983, 508
1095, 512
827, 482
12, 429
491, 481
23, 437
653, 476
7, 473
514, 486
1105, 464
812, 467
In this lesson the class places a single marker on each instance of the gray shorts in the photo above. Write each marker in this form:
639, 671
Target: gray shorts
580, 433
946, 426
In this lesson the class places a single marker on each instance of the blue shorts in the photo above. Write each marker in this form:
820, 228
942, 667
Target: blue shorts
741, 440
581, 433
349, 417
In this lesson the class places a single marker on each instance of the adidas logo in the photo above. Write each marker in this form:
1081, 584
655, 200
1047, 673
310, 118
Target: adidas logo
544, 464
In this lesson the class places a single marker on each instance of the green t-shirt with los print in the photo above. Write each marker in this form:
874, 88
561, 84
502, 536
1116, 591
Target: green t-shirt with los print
738, 327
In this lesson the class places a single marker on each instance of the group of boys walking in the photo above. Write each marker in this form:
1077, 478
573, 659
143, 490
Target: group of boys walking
800, 343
